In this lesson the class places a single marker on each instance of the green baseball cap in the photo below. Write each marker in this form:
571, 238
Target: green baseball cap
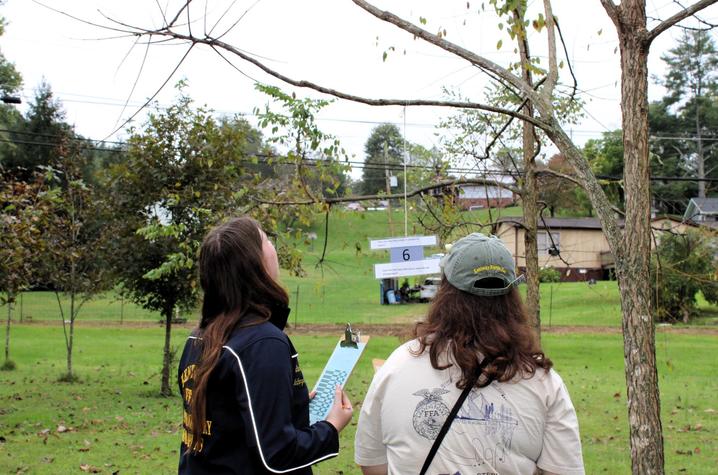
480, 265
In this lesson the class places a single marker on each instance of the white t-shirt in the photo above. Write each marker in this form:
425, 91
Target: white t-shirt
504, 428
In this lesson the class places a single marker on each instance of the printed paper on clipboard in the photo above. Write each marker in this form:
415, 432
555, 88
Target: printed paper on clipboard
337, 371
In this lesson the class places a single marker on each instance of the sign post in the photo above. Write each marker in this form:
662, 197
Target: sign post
406, 258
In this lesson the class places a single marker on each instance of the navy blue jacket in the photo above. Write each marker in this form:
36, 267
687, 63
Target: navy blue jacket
257, 408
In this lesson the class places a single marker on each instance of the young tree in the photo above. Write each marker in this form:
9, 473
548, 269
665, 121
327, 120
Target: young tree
24, 212
313, 171
75, 265
182, 173
630, 245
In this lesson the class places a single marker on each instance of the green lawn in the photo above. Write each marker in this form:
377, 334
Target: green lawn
344, 288
116, 422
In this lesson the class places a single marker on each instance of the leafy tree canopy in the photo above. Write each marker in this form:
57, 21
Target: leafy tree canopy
385, 146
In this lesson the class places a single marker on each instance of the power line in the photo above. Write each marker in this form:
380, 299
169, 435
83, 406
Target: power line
121, 103
488, 174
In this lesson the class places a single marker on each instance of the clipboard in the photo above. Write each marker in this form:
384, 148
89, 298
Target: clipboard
337, 371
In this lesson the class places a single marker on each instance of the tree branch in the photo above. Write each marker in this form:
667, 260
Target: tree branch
552, 76
418, 191
563, 176
450, 47
678, 17
613, 11
333, 92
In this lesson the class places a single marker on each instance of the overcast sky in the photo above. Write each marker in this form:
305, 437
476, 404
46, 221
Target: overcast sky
330, 42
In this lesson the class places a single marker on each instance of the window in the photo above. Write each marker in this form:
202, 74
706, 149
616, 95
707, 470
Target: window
545, 244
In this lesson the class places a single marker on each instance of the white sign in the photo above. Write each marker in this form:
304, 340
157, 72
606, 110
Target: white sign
407, 241
405, 269
393, 182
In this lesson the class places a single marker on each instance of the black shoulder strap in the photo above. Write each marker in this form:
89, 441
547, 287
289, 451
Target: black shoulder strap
452, 415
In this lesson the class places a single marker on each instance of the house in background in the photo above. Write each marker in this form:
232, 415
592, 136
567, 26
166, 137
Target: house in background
486, 196
703, 212
576, 247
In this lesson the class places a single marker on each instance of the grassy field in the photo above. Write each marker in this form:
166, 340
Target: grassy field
351, 296
344, 288
114, 422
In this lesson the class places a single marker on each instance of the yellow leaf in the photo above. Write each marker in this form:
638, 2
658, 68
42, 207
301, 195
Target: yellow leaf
498, 45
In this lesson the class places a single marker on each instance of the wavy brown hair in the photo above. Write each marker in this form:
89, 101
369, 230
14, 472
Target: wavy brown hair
468, 326
237, 292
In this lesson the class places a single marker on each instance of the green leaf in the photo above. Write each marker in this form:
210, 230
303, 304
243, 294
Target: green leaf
499, 44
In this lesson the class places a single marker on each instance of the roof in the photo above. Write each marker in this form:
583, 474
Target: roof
556, 223
706, 205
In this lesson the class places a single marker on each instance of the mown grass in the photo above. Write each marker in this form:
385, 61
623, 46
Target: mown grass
344, 289
116, 422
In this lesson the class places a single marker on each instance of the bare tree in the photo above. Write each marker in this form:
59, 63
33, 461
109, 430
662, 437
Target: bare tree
630, 246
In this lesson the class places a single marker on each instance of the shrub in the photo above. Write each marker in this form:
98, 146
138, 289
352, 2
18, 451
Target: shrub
681, 266
549, 274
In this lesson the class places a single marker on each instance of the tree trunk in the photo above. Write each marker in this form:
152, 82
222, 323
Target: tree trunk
165, 389
700, 156
530, 195
631, 250
530, 210
72, 333
639, 350
10, 299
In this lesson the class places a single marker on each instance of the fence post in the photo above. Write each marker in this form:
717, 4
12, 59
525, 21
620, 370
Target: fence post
296, 308
550, 304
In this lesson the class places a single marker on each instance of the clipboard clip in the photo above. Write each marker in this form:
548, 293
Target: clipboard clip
351, 338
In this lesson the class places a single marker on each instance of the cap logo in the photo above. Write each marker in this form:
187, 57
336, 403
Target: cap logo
490, 268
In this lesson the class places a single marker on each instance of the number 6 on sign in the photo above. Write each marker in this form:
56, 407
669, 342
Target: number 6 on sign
406, 254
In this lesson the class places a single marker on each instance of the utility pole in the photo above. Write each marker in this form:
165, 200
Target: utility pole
388, 190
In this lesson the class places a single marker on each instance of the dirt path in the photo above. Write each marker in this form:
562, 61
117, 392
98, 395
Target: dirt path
393, 329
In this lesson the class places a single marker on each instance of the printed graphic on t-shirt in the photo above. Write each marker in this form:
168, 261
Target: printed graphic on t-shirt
501, 422
430, 413
495, 420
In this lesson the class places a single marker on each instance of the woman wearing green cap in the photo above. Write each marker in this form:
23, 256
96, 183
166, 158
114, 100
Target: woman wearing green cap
473, 392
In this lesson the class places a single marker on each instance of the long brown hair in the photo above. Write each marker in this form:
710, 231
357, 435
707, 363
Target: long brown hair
467, 326
238, 291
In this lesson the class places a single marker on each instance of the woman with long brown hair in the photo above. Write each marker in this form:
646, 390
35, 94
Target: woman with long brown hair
246, 406
473, 392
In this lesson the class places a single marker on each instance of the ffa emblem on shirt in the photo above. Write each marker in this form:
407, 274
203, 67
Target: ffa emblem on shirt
430, 413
